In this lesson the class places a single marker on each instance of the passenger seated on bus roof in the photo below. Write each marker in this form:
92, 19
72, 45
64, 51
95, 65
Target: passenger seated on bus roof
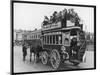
70, 14
45, 23
73, 12
54, 16
77, 19
73, 16
60, 16
51, 19
64, 18
46, 20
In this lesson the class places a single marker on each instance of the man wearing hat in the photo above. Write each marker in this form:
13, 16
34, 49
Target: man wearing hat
24, 50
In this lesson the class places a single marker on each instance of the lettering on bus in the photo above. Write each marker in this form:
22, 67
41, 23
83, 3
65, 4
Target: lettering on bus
51, 26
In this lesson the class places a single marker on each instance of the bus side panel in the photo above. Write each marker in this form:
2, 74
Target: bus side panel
58, 47
51, 47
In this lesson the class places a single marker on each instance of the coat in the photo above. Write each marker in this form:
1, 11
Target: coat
24, 51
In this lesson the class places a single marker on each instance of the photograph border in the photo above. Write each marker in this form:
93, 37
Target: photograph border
47, 3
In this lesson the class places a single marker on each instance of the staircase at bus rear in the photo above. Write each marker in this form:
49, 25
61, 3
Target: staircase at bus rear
81, 50
82, 46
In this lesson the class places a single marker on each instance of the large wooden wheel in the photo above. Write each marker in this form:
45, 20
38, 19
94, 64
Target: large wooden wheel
55, 59
44, 57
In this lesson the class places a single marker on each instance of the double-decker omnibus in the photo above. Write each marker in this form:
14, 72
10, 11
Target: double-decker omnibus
62, 43
58, 42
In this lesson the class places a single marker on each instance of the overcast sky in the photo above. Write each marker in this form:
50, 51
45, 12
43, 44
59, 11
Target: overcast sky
30, 16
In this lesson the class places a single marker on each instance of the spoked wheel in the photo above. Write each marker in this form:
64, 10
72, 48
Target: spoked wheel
55, 59
44, 57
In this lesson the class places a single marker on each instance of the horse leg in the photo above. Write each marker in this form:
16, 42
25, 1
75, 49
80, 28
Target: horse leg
30, 56
34, 58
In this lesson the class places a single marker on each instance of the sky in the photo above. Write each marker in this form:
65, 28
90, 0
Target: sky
30, 16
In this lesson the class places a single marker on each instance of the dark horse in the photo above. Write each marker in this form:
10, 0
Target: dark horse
35, 49
32, 50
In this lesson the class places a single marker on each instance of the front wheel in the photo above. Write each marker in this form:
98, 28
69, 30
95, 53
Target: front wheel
44, 57
55, 59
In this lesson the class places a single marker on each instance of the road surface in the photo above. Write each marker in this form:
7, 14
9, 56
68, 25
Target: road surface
27, 66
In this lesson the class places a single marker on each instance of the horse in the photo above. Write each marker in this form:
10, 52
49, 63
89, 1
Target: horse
35, 50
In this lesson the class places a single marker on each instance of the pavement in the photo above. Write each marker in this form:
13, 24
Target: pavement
27, 66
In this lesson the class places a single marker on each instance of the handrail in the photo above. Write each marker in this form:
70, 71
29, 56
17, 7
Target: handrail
82, 45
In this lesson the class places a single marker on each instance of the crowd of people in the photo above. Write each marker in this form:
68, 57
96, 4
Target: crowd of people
62, 16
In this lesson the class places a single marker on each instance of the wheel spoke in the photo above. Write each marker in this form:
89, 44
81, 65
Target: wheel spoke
44, 58
55, 59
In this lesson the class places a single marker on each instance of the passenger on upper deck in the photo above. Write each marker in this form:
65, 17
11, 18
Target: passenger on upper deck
54, 17
51, 19
77, 20
63, 16
46, 20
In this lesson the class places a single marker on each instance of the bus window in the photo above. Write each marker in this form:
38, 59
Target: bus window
53, 39
47, 39
36, 36
43, 39
39, 36
66, 39
50, 39
56, 39
60, 41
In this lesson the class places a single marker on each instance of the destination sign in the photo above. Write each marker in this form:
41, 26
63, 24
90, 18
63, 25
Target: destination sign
51, 26
57, 25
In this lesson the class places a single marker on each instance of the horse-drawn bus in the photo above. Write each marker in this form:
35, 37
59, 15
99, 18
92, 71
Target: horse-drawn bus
58, 42
63, 43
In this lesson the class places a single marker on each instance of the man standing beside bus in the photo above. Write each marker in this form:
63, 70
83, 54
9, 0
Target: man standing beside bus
24, 52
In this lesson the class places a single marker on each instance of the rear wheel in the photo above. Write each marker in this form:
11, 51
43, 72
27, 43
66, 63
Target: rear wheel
55, 59
44, 57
